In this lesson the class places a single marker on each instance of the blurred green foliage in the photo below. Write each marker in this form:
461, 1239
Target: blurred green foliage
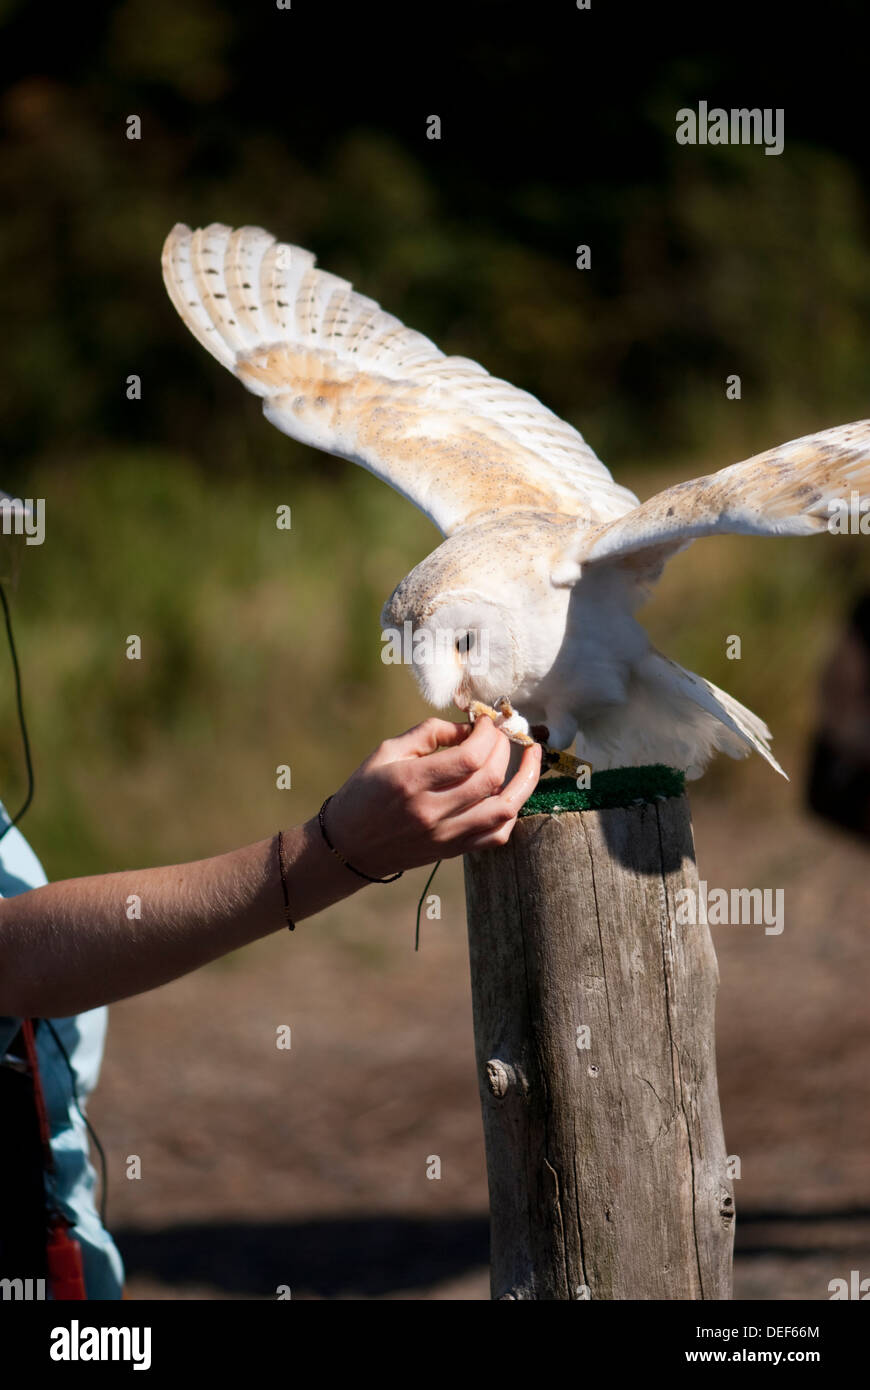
261, 646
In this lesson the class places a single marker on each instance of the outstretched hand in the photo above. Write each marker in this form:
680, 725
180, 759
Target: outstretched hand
434, 792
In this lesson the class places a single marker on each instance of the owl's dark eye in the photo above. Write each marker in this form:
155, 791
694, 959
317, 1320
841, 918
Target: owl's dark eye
463, 643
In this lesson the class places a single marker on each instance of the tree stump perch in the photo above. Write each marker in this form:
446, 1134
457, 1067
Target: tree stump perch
594, 1035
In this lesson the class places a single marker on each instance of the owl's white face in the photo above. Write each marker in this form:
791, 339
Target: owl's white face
466, 650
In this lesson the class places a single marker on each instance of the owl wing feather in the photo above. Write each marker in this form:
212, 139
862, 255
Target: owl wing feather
338, 373
786, 491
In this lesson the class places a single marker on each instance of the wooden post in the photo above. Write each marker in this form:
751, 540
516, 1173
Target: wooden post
594, 1033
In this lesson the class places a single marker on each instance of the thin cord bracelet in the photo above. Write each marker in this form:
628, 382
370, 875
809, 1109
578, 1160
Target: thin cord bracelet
359, 873
291, 925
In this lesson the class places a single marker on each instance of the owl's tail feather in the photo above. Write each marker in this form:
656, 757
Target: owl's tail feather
742, 730
675, 717
730, 726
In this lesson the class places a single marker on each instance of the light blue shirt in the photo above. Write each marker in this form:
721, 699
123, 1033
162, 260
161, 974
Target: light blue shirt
83, 1037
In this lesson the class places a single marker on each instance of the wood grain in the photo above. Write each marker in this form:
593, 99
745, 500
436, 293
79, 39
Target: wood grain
606, 1162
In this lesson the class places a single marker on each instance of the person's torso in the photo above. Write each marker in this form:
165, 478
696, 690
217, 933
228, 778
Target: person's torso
82, 1039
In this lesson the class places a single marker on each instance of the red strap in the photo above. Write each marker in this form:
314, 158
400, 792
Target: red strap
29, 1035
66, 1272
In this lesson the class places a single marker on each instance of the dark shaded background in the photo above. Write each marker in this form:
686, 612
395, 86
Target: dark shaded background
557, 127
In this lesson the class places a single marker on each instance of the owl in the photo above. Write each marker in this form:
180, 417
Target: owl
527, 608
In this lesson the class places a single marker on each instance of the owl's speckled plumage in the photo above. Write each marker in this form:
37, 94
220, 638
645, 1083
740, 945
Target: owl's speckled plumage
544, 553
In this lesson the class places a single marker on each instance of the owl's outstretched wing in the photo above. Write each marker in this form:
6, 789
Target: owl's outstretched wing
338, 373
787, 491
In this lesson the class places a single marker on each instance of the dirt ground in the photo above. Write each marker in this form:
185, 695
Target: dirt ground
307, 1167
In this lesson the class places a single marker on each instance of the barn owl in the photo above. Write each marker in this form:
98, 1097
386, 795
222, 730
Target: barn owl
545, 556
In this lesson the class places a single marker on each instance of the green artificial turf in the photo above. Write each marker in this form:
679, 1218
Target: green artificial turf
618, 786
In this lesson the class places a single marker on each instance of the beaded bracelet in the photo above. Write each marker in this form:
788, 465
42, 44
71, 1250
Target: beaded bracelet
359, 872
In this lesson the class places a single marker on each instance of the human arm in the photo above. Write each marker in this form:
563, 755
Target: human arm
434, 792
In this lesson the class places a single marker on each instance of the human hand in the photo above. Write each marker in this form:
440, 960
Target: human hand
434, 792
